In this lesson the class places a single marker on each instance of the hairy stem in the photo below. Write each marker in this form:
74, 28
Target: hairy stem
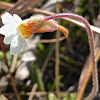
92, 49
87, 77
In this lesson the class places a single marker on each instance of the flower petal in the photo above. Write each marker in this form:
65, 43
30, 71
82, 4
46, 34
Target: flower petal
8, 29
6, 18
24, 45
8, 39
17, 19
4, 30
16, 45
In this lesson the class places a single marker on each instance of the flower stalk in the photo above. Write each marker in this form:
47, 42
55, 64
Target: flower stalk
92, 48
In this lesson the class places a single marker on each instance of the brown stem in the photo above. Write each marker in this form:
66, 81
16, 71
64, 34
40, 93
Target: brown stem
57, 57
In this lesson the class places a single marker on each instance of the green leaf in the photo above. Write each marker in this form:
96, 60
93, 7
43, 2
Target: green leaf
68, 60
38, 76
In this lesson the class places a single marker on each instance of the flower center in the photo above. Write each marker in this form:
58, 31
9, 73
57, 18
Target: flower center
25, 29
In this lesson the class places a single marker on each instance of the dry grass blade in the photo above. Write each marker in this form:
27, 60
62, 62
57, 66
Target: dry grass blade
28, 4
20, 7
32, 92
52, 40
4, 5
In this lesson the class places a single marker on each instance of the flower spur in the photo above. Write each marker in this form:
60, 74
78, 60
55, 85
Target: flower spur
16, 31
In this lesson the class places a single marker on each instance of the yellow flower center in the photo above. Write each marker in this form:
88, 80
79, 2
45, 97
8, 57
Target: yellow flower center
25, 28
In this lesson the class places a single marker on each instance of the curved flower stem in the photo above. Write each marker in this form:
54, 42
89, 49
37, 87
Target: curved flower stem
92, 49
11, 76
87, 77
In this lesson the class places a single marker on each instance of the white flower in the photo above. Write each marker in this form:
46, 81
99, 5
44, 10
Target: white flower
12, 37
17, 31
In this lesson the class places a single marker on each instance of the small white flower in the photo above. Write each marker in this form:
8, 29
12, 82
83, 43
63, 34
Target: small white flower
17, 31
12, 37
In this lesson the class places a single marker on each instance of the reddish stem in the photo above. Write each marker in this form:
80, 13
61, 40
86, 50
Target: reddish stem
11, 76
92, 49
3, 50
